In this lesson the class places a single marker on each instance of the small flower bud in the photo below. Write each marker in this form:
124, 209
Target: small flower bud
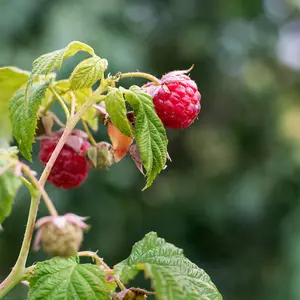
60, 235
101, 156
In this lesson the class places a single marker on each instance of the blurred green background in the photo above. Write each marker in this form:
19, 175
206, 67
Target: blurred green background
231, 196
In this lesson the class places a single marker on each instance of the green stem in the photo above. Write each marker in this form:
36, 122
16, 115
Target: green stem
40, 188
88, 132
28, 184
100, 261
61, 101
142, 75
18, 272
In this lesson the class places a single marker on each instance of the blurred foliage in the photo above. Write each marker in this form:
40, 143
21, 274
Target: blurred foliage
231, 196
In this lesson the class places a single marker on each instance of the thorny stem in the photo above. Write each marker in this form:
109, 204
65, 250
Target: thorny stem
100, 262
18, 272
139, 74
88, 132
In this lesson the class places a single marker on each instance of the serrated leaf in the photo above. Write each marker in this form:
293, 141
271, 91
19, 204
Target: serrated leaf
116, 108
87, 72
75, 47
173, 276
24, 115
53, 60
46, 63
150, 133
9, 182
66, 279
90, 116
11, 79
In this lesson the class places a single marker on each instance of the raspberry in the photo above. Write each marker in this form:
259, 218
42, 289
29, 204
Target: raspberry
71, 168
176, 100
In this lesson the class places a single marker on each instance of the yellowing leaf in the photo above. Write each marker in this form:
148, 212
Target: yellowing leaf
9, 182
11, 79
75, 47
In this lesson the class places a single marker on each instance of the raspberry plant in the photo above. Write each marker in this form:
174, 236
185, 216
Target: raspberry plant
135, 119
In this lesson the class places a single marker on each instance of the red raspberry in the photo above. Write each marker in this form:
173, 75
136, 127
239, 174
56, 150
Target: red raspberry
71, 168
176, 100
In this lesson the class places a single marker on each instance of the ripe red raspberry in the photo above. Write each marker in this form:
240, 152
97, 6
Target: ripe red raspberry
71, 168
176, 100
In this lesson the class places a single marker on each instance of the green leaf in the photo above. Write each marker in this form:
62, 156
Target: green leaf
88, 72
46, 63
24, 115
53, 60
116, 108
150, 133
173, 276
11, 79
75, 47
66, 279
9, 182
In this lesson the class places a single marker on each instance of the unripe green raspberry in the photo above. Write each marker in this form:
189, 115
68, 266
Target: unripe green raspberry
60, 236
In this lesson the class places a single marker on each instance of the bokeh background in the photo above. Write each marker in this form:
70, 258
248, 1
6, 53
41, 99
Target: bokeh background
231, 196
